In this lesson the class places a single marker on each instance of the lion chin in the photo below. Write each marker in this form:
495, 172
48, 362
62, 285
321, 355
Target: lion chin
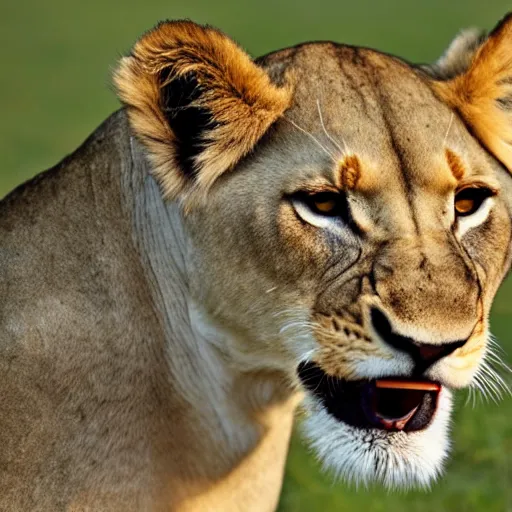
363, 447
365, 455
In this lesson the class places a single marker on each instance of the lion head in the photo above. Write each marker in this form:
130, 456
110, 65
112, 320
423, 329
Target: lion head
347, 223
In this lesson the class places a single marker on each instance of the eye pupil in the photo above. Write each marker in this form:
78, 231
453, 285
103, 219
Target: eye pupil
325, 206
464, 205
328, 204
469, 200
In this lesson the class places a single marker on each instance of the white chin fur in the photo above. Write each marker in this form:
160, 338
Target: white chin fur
394, 459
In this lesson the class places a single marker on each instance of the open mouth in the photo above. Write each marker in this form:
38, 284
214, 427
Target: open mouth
392, 404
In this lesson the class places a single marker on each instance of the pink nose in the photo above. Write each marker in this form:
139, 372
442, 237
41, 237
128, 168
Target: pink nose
423, 354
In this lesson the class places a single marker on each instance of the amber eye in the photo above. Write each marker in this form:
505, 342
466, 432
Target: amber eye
328, 204
324, 205
469, 200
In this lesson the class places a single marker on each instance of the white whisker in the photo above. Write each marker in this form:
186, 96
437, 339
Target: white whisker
331, 155
473, 397
307, 356
493, 390
495, 348
342, 150
478, 384
498, 361
295, 325
448, 130
292, 311
496, 378
493, 343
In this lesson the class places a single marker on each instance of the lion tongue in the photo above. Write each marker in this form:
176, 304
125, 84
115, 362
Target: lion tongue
396, 401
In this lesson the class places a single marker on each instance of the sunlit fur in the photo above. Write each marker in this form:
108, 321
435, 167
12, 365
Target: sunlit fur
149, 343
241, 97
482, 92
410, 263
363, 456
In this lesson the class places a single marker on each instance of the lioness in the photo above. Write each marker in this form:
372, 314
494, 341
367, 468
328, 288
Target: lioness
326, 223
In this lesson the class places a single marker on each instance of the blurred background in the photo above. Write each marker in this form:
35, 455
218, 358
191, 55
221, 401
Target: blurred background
57, 57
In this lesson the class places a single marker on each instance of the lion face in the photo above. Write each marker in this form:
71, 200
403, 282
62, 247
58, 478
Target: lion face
350, 231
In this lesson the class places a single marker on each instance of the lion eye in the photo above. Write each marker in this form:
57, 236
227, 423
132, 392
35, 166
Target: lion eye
469, 200
465, 206
324, 206
324, 209
328, 204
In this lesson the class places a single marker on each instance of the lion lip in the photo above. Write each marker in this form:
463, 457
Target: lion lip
390, 404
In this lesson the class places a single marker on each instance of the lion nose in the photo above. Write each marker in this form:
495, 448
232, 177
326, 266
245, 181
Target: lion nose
423, 354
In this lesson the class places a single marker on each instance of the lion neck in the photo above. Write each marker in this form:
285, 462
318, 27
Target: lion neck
235, 413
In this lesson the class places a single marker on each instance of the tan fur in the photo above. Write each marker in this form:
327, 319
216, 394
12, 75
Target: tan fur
457, 57
355, 344
483, 92
239, 94
149, 358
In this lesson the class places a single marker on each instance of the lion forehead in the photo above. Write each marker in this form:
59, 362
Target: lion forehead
363, 99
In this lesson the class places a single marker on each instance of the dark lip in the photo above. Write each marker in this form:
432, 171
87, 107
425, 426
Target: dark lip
364, 404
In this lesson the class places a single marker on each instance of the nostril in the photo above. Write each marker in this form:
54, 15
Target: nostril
424, 354
432, 352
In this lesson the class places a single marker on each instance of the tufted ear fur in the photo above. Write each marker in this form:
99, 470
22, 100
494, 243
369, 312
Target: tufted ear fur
197, 102
457, 57
482, 94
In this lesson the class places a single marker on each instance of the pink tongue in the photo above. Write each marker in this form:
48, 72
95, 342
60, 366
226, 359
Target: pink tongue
396, 423
396, 401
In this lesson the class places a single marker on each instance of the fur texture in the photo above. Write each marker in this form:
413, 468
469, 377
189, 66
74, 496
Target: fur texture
182, 76
150, 350
482, 92
362, 456
458, 56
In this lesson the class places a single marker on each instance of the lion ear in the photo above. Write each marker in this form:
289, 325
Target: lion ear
458, 56
482, 94
197, 102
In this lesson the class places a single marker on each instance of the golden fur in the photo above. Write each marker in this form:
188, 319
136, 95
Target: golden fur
239, 95
150, 342
350, 172
455, 163
482, 93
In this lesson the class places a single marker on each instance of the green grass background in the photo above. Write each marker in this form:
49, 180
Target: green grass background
56, 59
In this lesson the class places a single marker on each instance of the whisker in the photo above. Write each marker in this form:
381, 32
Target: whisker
492, 391
295, 325
498, 361
342, 150
319, 383
469, 396
308, 355
331, 155
496, 378
448, 130
491, 354
475, 397
290, 311
495, 346
477, 383
496, 364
